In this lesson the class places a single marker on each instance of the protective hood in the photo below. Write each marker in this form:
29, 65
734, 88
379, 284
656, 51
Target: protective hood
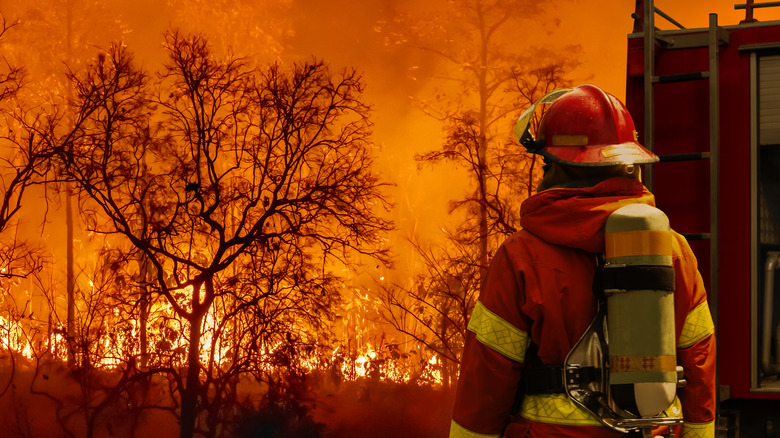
575, 217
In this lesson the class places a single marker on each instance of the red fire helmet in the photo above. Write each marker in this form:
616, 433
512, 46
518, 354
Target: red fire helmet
584, 126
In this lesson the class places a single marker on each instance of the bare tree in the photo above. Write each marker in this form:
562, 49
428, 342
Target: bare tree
492, 73
52, 34
103, 339
24, 160
434, 308
206, 168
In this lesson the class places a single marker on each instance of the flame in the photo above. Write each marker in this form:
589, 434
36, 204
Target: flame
363, 350
16, 338
367, 362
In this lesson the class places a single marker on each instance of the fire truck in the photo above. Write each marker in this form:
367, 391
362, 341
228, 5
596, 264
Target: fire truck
707, 101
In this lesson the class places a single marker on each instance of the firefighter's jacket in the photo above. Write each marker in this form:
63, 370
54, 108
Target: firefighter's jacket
539, 288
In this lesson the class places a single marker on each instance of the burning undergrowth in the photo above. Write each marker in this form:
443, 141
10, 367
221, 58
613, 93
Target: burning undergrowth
223, 211
44, 398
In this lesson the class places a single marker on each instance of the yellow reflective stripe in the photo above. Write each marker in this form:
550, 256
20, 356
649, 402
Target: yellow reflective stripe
698, 325
556, 409
458, 431
498, 334
698, 430
674, 410
638, 243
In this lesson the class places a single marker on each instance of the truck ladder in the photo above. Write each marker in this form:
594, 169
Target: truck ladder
749, 5
715, 37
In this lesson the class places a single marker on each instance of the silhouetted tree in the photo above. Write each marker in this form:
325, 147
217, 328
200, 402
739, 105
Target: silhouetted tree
24, 159
493, 72
434, 307
218, 170
24, 162
53, 34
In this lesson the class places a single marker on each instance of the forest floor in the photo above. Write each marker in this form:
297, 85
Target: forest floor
46, 404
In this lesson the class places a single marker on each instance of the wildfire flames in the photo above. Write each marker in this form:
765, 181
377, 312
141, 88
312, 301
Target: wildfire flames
242, 229
33, 339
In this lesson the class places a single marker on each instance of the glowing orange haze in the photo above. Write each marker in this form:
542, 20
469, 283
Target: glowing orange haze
600, 27
342, 32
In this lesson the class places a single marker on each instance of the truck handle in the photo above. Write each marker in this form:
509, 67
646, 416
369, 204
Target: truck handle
772, 263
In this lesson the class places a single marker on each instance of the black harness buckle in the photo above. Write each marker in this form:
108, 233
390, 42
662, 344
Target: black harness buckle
549, 379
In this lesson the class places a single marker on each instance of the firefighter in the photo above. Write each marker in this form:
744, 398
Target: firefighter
538, 296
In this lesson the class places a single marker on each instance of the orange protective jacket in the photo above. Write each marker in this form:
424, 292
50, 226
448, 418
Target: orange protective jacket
539, 288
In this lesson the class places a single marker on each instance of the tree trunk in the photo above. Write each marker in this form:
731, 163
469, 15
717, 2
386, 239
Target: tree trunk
70, 281
443, 361
143, 317
189, 394
145, 301
482, 152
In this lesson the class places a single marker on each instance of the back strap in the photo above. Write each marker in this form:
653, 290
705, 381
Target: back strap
629, 277
548, 379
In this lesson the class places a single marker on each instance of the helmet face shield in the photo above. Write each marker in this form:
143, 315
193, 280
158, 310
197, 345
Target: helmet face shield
523, 125
584, 126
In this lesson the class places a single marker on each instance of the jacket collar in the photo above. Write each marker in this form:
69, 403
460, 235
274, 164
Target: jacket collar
575, 217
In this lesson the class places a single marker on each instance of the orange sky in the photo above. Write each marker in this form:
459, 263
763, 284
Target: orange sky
422, 196
601, 28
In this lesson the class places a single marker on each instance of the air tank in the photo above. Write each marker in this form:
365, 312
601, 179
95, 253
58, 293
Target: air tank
638, 282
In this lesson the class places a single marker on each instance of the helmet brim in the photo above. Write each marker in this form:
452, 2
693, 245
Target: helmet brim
600, 155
